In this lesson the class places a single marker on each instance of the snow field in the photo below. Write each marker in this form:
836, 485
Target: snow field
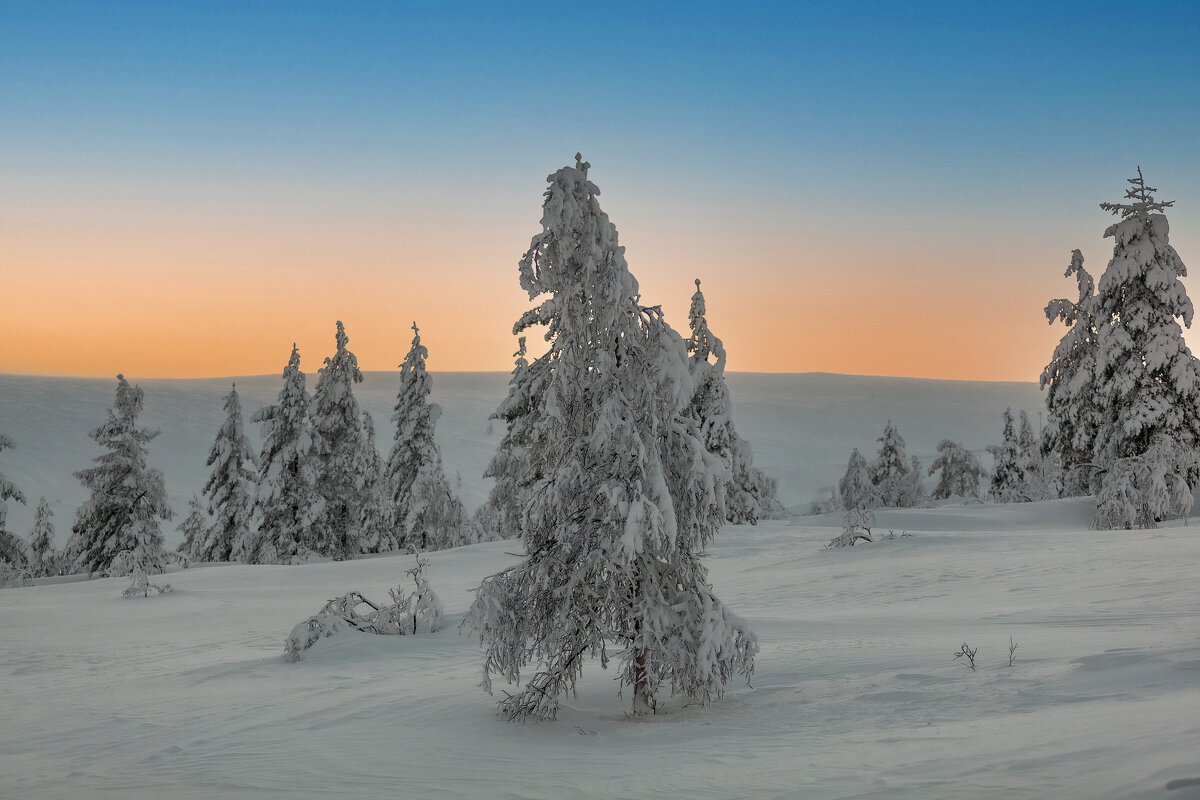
856, 692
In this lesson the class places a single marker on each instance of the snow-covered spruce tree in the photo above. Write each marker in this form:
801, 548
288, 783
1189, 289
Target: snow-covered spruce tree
1073, 404
8, 490
856, 488
194, 527
44, 560
501, 516
377, 535
288, 508
230, 491
750, 494
1039, 471
426, 515
626, 494
337, 419
912, 489
890, 472
1008, 479
1148, 380
960, 472
128, 497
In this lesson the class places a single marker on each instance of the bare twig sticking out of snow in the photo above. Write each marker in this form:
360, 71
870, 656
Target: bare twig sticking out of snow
1012, 651
966, 652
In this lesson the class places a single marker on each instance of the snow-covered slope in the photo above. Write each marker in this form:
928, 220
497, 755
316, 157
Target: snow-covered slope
802, 427
856, 693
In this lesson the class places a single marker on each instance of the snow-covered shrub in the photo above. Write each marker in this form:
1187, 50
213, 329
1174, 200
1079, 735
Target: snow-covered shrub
130, 563
415, 613
858, 525
13, 575
960, 471
419, 612
1138, 491
140, 583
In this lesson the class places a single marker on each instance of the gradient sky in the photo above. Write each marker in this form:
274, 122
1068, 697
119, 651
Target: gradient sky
876, 188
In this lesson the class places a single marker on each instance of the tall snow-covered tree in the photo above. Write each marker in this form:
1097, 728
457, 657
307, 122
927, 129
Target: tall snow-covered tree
749, 493
288, 507
230, 490
856, 487
891, 471
337, 419
377, 534
1073, 404
1148, 382
424, 511
128, 498
502, 515
626, 494
959, 471
45, 560
8, 490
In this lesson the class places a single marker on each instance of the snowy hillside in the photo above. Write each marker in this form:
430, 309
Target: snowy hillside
856, 692
802, 427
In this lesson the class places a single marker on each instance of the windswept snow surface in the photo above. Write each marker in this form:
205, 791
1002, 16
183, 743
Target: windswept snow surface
856, 694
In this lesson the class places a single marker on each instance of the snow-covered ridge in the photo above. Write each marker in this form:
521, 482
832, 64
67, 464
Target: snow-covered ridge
802, 427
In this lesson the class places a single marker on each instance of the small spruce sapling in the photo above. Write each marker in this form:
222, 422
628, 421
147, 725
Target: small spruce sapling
128, 563
45, 559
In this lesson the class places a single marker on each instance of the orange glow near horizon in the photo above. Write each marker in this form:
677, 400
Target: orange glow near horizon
200, 289
98, 307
